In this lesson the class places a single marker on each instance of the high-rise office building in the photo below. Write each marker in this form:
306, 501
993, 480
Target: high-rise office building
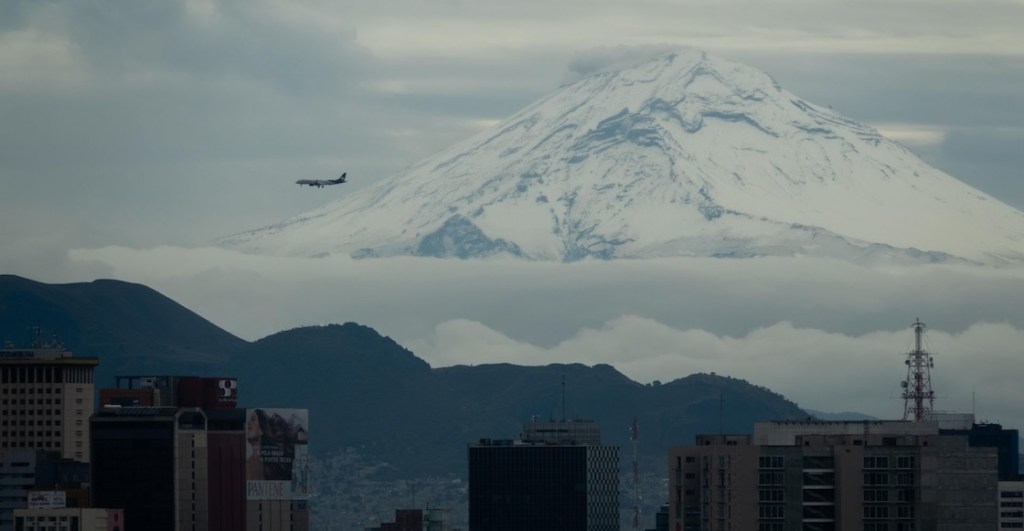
558, 477
152, 462
46, 397
834, 476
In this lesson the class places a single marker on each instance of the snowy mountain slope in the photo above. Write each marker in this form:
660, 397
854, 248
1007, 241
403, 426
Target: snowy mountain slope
685, 155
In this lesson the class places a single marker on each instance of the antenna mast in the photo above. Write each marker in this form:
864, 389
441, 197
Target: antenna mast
563, 398
917, 388
634, 436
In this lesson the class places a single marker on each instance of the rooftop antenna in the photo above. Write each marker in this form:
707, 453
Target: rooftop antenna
563, 398
918, 397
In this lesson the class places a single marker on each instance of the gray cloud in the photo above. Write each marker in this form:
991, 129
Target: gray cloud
825, 333
610, 58
819, 370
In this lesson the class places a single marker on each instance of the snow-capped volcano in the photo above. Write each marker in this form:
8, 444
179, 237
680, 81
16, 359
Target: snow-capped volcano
684, 155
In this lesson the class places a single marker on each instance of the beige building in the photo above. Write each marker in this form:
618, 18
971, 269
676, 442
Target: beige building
69, 519
834, 476
46, 397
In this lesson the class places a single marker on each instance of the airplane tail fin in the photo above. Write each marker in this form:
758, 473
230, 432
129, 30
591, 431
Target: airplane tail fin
342, 178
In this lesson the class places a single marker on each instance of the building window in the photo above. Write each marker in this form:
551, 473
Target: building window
905, 462
876, 511
771, 478
876, 478
876, 495
876, 462
771, 512
770, 461
771, 495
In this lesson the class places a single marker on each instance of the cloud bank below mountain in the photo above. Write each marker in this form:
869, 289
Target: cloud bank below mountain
827, 334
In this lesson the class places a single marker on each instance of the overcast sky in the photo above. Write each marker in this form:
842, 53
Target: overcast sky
134, 133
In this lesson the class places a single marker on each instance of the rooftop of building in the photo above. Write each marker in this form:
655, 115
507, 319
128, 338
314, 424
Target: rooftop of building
46, 354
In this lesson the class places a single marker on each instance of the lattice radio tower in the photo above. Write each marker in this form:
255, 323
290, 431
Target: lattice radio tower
918, 397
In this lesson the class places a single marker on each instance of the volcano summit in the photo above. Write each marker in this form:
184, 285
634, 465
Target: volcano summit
684, 155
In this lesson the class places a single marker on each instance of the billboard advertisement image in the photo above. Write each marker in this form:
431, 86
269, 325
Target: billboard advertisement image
277, 454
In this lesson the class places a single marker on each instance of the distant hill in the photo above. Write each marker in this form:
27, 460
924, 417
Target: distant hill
364, 390
130, 327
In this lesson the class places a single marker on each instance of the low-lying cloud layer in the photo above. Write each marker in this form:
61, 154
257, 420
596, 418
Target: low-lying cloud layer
830, 335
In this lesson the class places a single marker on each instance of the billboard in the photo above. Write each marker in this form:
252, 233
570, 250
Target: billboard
47, 499
277, 454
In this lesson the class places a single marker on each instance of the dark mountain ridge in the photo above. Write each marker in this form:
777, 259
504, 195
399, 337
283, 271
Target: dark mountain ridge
132, 328
367, 392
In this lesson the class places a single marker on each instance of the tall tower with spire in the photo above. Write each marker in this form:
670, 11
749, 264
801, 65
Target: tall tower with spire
918, 397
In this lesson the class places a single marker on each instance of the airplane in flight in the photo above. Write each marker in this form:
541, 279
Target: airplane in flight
320, 183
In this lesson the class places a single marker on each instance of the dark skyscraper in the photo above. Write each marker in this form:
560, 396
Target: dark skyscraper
545, 484
151, 461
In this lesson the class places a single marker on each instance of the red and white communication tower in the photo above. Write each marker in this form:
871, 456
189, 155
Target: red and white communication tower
634, 436
918, 397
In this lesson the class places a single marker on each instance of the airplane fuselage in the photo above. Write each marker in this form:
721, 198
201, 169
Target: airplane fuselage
320, 183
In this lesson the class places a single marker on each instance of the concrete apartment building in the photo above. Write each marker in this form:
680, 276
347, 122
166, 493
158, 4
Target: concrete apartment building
46, 397
834, 476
